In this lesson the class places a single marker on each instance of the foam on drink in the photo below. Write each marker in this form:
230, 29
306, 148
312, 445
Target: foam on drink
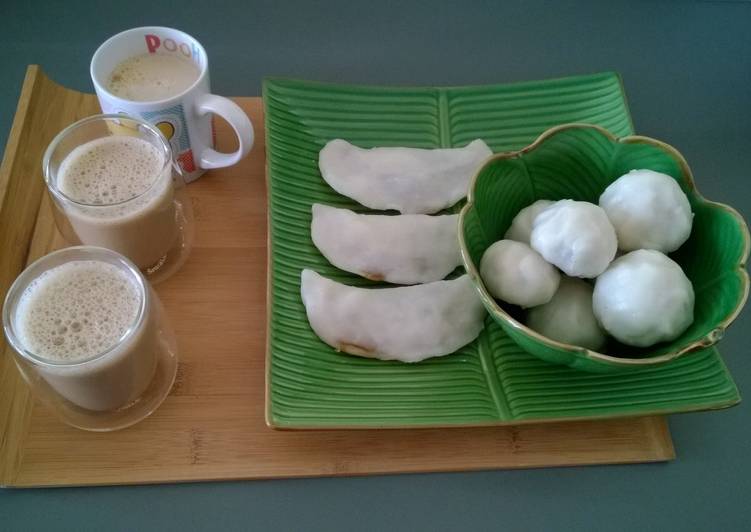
77, 310
110, 170
124, 197
151, 77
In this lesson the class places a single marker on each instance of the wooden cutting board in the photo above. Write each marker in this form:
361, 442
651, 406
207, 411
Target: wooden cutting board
212, 426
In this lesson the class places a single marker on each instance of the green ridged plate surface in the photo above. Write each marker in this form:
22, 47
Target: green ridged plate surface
490, 381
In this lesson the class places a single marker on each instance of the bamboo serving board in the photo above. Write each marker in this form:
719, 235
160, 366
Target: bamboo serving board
211, 427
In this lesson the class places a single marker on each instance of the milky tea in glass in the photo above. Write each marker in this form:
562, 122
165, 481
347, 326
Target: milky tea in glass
114, 185
90, 337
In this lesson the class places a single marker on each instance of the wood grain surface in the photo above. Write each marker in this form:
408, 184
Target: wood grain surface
212, 426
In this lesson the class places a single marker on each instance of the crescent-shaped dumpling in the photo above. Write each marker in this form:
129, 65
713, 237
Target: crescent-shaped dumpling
408, 323
409, 180
401, 249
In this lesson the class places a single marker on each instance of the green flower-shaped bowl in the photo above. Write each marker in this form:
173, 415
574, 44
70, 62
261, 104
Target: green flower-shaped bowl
579, 161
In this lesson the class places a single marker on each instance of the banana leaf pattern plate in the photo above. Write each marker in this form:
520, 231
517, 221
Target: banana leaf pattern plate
490, 381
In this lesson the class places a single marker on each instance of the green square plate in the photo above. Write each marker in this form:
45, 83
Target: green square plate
490, 381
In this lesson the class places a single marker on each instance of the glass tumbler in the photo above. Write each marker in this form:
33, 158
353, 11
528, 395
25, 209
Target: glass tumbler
149, 219
107, 390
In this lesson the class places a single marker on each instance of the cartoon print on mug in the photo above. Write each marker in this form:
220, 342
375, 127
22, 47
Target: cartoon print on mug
171, 122
167, 128
184, 159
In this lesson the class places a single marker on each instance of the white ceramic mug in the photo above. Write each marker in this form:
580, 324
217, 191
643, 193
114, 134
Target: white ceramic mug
185, 118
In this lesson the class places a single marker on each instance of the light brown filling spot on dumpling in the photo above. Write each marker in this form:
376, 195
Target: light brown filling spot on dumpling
354, 349
373, 276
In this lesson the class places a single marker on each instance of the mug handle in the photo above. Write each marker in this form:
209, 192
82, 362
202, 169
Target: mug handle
236, 117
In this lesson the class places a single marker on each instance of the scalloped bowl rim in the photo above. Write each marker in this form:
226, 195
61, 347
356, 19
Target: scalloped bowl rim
497, 311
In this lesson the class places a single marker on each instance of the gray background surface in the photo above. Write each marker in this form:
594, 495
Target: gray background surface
687, 71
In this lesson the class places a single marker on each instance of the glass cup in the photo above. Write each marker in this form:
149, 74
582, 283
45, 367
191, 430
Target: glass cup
152, 227
111, 389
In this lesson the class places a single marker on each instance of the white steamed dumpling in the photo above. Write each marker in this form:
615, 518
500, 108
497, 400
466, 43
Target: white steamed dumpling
517, 274
568, 316
521, 225
576, 236
648, 210
406, 323
644, 298
401, 249
409, 180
